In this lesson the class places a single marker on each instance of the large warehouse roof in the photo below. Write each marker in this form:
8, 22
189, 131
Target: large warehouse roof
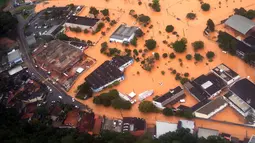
240, 23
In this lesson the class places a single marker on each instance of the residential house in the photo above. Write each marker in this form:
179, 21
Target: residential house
14, 57
72, 118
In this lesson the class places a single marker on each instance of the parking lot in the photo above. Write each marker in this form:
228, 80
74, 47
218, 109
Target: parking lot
46, 19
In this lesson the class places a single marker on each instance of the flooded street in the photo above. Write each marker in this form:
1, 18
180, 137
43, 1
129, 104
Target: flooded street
192, 30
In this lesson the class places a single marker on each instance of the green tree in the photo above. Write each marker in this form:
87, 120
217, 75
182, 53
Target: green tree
172, 56
186, 74
188, 56
97, 100
93, 11
197, 45
84, 91
184, 80
168, 112
86, 31
163, 72
118, 103
169, 28
147, 107
156, 56
205, 7
198, 57
150, 44
227, 42
7, 23
144, 19
210, 55
165, 55
134, 41
180, 45
139, 33
104, 47
105, 12
191, 16
135, 52
155, 5
67, 139
210, 24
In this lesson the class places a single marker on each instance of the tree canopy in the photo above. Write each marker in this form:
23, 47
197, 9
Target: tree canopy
197, 45
169, 28
180, 45
210, 24
250, 14
105, 12
191, 16
205, 7
198, 57
7, 23
227, 42
144, 18
155, 5
210, 55
147, 107
151, 44
93, 11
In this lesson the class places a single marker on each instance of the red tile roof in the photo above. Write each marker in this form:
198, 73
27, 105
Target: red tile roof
72, 118
97, 125
27, 115
87, 122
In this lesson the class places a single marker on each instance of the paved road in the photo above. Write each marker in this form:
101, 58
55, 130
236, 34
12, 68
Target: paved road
41, 75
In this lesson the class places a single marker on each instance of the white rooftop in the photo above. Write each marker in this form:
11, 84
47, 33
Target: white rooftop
80, 70
203, 132
15, 70
132, 94
207, 84
164, 127
188, 125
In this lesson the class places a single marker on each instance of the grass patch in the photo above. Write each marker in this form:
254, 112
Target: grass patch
24, 7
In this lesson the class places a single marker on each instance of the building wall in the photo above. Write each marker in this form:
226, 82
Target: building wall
116, 40
237, 109
207, 116
126, 65
102, 87
83, 27
158, 104
122, 40
174, 98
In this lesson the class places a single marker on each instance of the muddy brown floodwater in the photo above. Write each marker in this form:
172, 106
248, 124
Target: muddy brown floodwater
191, 30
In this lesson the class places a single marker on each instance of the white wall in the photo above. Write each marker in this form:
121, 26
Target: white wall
158, 105
102, 87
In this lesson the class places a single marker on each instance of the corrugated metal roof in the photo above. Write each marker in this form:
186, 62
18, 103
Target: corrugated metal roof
240, 23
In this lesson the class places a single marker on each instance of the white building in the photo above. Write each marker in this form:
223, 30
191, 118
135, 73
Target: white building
205, 133
123, 34
187, 125
226, 74
82, 22
211, 108
164, 127
14, 57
